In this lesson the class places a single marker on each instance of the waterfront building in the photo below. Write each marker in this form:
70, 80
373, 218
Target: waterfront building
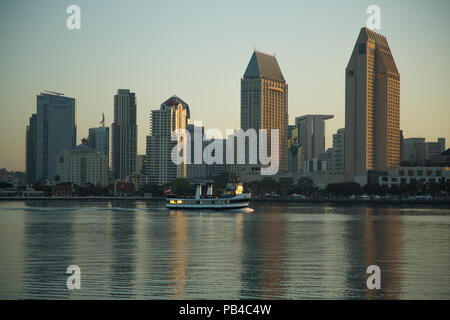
311, 132
172, 115
372, 107
30, 152
140, 164
124, 135
338, 151
416, 149
51, 130
99, 140
264, 101
196, 172
422, 174
82, 165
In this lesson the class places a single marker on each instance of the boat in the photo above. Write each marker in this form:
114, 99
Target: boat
233, 197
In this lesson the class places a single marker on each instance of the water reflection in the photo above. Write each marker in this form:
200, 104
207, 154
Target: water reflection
128, 249
48, 252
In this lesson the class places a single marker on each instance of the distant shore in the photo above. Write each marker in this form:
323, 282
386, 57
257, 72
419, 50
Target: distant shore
269, 200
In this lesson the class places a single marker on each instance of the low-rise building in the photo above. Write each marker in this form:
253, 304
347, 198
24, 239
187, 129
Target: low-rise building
406, 175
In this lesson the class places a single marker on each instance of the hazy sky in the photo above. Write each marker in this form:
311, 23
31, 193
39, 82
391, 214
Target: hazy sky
199, 50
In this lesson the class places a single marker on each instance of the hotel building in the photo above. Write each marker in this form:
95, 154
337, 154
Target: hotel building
372, 107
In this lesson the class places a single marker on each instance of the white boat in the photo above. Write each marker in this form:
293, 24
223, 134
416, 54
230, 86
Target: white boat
233, 197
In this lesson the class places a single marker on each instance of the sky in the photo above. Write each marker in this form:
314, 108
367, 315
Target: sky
199, 50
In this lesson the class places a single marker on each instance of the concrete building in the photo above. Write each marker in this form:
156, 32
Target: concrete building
51, 130
338, 151
295, 151
311, 131
372, 107
196, 171
82, 165
30, 152
173, 114
264, 101
140, 164
416, 149
412, 148
124, 135
406, 175
99, 140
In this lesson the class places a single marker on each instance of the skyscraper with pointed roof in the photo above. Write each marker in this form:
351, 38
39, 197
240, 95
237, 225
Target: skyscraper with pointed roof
372, 106
264, 101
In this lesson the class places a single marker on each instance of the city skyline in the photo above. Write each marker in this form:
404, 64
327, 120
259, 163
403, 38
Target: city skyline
424, 98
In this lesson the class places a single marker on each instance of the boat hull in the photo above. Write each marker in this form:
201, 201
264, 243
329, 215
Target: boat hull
236, 202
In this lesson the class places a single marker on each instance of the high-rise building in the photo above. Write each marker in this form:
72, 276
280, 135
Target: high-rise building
140, 164
51, 130
338, 150
99, 140
417, 149
294, 150
82, 165
311, 132
30, 152
264, 101
196, 171
173, 114
124, 135
372, 107
412, 148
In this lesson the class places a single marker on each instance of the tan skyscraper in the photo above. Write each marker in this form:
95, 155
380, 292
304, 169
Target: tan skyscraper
264, 100
172, 115
372, 107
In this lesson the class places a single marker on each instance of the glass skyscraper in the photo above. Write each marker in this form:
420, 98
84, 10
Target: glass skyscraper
51, 130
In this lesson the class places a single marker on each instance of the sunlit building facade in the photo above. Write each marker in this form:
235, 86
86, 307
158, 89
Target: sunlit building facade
264, 101
372, 107
173, 114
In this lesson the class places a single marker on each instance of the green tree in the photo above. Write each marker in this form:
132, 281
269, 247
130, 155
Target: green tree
181, 186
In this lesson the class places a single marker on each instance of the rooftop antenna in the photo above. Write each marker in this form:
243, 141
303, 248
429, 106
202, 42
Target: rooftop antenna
56, 93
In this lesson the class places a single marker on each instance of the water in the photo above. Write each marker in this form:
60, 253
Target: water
140, 250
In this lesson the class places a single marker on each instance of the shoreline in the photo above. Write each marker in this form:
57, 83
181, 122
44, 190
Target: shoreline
262, 200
